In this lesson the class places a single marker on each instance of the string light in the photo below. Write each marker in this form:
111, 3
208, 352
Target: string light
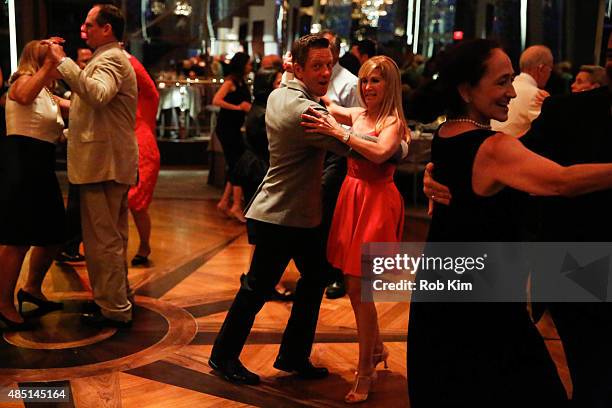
182, 8
372, 10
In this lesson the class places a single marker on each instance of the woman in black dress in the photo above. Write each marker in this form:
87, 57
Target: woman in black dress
255, 161
234, 99
253, 165
477, 354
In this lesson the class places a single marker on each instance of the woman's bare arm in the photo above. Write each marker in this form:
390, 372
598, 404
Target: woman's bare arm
503, 160
64, 105
218, 99
27, 87
386, 144
344, 116
389, 140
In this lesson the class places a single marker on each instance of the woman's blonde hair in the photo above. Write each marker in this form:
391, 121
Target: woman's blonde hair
31, 59
392, 102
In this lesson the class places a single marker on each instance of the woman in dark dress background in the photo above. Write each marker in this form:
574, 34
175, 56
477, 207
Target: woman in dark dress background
475, 354
254, 162
234, 99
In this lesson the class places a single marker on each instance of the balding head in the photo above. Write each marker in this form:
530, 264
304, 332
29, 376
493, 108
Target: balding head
83, 57
537, 61
272, 62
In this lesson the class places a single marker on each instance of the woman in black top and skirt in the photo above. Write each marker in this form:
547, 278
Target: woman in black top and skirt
234, 99
477, 354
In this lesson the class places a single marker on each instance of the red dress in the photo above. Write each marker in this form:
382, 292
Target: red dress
369, 209
140, 195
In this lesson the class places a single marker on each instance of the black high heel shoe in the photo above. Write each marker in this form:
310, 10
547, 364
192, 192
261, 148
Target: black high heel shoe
44, 306
140, 260
13, 325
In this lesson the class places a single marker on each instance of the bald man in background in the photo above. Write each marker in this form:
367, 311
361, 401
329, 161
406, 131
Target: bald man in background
272, 61
536, 64
83, 57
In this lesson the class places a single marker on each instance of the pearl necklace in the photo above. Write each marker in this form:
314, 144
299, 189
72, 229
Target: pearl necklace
53, 101
473, 122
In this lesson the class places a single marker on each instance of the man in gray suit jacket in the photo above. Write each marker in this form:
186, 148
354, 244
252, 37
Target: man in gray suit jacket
283, 222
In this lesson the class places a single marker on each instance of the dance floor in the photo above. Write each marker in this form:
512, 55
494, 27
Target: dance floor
182, 298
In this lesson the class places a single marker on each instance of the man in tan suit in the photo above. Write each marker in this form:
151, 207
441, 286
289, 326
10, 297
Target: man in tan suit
103, 158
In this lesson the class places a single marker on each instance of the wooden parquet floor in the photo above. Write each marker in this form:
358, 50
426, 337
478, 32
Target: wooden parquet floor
182, 298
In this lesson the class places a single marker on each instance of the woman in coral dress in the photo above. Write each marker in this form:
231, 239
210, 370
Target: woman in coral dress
369, 207
140, 195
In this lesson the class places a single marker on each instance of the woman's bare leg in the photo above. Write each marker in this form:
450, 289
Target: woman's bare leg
11, 260
40, 262
236, 209
224, 202
143, 226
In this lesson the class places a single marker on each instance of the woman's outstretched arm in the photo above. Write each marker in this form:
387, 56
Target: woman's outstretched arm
503, 160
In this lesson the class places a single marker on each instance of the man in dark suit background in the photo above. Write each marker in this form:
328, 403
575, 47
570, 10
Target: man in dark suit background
575, 129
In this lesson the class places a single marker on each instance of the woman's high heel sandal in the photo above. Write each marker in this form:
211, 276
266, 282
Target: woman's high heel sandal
224, 209
237, 213
362, 382
44, 306
13, 325
381, 357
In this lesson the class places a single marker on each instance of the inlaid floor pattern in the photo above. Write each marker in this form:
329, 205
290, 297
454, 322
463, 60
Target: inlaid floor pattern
182, 297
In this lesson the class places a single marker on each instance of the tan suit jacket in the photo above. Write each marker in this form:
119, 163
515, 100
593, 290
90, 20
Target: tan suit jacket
290, 194
101, 141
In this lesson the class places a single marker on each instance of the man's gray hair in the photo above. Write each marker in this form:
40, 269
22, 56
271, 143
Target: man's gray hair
597, 74
534, 56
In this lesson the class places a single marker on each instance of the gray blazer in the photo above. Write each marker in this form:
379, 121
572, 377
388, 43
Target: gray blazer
290, 193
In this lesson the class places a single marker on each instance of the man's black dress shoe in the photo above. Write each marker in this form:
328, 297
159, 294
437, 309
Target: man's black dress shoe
285, 296
97, 319
304, 369
234, 371
336, 290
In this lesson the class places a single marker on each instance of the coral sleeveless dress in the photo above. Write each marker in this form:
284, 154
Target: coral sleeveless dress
369, 209
140, 195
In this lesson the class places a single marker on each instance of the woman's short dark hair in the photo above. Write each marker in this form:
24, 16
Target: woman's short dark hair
263, 85
462, 63
237, 65
367, 47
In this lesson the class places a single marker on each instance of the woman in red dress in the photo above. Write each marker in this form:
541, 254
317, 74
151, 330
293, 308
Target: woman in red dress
369, 207
140, 195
